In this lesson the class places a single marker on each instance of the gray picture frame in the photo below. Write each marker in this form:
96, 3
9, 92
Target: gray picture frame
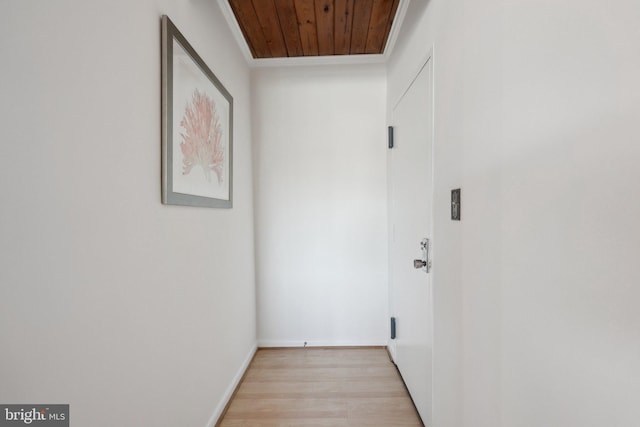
172, 194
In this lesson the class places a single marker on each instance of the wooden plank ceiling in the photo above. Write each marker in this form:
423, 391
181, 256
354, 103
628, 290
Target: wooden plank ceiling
293, 28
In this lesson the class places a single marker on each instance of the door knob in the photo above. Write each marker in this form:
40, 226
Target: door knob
418, 263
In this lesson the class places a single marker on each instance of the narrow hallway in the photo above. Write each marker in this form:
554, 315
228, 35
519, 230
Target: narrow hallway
321, 387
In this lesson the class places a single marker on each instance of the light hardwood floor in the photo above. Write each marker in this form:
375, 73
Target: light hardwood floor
321, 388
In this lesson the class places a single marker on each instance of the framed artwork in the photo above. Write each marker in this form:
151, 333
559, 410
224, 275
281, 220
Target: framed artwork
197, 128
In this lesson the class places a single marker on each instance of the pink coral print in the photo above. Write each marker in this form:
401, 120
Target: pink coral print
202, 141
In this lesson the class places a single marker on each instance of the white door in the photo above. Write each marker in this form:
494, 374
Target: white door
410, 192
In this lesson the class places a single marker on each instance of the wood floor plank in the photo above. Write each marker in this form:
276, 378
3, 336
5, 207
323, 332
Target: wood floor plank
288, 408
296, 422
319, 374
323, 388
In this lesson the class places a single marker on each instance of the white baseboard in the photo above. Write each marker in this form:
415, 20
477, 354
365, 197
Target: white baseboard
301, 343
234, 384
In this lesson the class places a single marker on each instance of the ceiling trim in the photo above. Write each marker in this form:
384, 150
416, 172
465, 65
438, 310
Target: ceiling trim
314, 60
395, 27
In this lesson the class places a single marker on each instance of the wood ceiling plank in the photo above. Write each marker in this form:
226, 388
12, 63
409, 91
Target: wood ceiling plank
305, 11
392, 18
270, 24
291, 28
289, 23
380, 16
343, 26
360, 32
324, 24
250, 26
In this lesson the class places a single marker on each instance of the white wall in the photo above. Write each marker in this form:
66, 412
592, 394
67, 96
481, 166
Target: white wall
571, 324
134, 313
536, 112
320, 138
